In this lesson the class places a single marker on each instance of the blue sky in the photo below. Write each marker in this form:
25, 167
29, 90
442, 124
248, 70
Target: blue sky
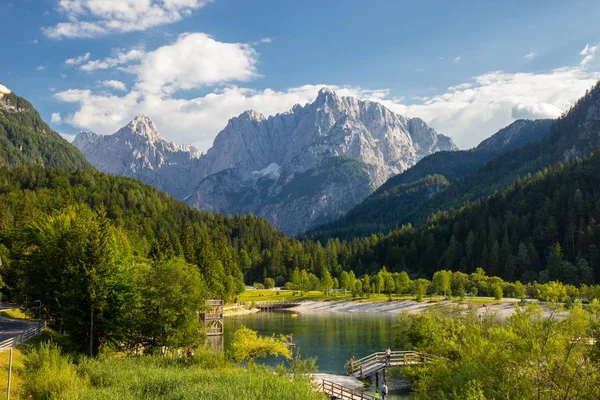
468, 68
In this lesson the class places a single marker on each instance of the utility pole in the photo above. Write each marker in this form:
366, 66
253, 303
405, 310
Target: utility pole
9, 373
92, 332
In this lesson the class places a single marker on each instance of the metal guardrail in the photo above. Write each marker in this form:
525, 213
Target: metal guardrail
339, 392
21, 338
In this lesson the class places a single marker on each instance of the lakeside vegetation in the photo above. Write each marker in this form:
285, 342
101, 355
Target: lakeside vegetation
528, 356
41, 370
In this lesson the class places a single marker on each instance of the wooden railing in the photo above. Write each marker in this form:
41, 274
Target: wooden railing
378, 361
21, 338
339, 392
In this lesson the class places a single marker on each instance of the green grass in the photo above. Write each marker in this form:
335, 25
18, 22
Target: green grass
259, 295
17, 313
210, 376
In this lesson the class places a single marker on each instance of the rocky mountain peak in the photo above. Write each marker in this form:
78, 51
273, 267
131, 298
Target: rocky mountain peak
326, 96
142, 126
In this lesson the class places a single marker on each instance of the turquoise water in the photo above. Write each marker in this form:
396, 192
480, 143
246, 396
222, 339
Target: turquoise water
333, 338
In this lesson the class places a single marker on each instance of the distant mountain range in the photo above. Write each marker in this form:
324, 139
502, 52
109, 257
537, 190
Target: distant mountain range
298, 169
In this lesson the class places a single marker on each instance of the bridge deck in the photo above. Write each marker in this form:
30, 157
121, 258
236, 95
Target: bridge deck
376, 362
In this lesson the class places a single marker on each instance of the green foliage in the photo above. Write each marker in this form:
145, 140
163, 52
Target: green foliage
49, 374
207, 375
539, 357
27, 140
247, 345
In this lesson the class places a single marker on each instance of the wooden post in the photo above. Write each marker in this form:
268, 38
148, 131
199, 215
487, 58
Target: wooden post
9, 373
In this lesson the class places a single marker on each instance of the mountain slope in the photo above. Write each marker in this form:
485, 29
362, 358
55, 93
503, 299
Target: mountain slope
402, 194
512, 234
575, 134
27, 140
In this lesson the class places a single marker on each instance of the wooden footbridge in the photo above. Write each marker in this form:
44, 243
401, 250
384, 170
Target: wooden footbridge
276, 305
339, 392
376, 362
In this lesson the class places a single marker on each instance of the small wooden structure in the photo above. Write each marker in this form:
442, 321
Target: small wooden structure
276, 305
213, 320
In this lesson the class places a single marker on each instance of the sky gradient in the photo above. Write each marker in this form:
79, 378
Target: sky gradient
468, 69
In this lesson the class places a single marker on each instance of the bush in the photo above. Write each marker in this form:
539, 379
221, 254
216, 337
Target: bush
49, 374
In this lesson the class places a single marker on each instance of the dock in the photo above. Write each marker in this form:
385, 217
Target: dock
276, 305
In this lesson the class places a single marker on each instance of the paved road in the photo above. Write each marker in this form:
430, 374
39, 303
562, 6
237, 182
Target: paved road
11, 328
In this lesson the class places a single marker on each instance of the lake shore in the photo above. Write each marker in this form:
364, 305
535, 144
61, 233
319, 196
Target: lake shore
501, 309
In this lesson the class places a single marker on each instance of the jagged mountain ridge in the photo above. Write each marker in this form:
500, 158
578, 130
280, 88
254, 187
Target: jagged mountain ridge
255, 161
137, 150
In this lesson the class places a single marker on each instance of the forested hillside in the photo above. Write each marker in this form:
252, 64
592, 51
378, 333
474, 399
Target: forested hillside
544, 227
394, 202
25, 139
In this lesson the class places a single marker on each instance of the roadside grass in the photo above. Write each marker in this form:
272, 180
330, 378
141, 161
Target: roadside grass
18, 366
17, 313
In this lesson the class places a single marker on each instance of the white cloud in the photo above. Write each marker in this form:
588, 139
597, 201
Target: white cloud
468, 111
457, 59
40, 68
530, 56
113, 84
195, 60
77, 60
266, 40
34, 41
63, 76
589, 52
92, 18
120, 57
56, 118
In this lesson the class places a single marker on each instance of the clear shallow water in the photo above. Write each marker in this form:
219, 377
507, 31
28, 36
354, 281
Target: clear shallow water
332, 338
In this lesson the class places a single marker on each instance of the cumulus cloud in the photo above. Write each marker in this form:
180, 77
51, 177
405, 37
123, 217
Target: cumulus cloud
530, 56
468, 111
114, 84
40, 68
93, 18
77, 60
195, 60
457, 59
56, 118
119, 57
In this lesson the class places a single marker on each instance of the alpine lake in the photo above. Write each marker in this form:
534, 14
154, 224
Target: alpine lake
330, 337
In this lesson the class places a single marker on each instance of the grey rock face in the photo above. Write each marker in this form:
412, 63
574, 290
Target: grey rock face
138, 151
257, 163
